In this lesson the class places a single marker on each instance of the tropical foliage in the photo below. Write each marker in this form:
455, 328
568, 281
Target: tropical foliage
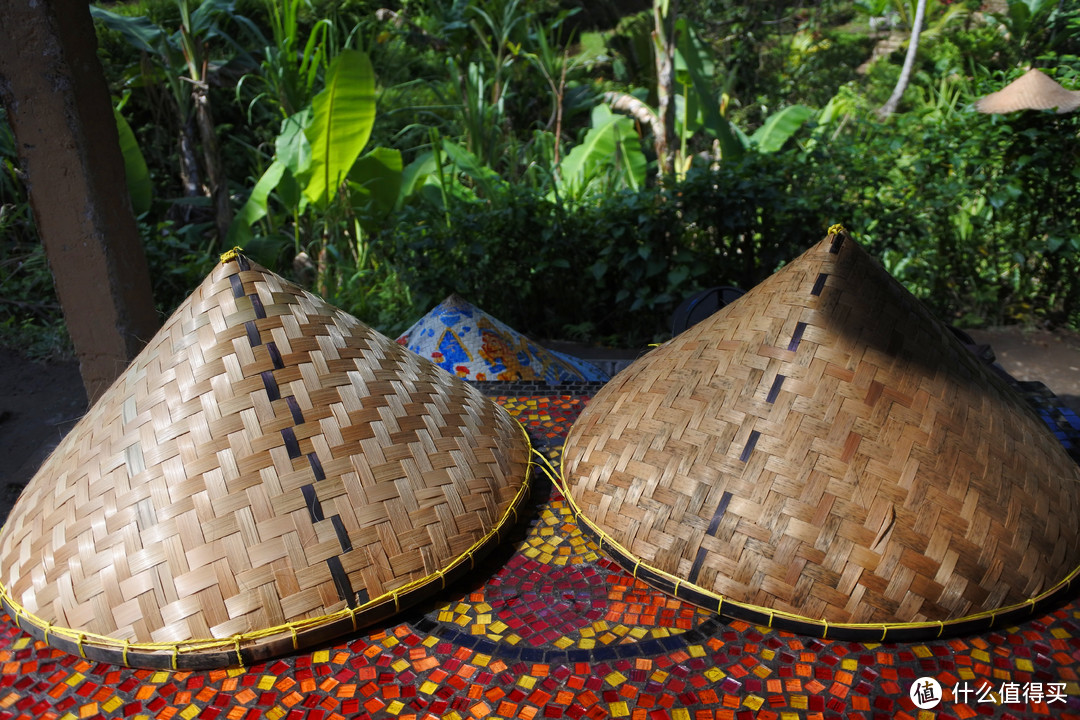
577, 169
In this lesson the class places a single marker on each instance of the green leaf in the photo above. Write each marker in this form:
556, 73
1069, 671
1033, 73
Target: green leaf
291, 146
344, 113
139, 31
203, 18
290, 192
484, 177
696, 58
779, 127
677, 275
255, 208
611, 142
374, 185
416, 174
138, 176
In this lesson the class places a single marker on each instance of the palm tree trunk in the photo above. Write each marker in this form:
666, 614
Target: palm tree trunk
215, 175
909, 63
664, 43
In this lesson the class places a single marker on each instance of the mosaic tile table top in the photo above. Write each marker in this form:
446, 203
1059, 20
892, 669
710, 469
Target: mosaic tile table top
550, 628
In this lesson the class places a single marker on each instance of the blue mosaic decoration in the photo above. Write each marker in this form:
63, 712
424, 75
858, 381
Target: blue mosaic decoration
466, 341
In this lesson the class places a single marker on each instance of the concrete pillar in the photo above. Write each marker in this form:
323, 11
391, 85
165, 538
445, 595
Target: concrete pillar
53, 88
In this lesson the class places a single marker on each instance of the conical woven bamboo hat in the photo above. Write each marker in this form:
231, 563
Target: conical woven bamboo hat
1034, 90
821, 455
267, 474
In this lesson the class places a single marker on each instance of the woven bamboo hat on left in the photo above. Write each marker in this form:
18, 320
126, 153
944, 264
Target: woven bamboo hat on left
268, 474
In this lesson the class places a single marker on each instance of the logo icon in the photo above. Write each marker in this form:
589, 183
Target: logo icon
925, 693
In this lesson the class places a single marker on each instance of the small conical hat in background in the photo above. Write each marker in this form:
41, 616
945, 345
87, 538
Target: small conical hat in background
472, 344
1034, 90
269, 473
822, 455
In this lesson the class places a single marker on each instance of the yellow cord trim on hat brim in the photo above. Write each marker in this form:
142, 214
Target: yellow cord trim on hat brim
822, 625
234, 643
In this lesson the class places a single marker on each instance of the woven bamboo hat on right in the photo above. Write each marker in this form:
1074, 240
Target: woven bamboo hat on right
823, 456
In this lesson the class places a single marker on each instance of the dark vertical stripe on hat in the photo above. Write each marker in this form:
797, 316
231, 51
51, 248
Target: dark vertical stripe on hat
294, 408
270, 383
341, 580
292, 445
313, 505
714, 524
750, 446
775, 389
256, 303
316, 467
275, 356
698, 562
796, 338
342, 533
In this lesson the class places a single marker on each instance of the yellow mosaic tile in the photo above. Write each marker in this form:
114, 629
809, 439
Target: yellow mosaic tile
753, 702
615, 678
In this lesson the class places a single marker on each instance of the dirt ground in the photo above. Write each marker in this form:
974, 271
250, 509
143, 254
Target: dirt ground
40, 402
1052, 358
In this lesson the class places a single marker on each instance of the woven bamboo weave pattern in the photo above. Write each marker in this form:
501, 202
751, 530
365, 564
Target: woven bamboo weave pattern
823, 447
266, 459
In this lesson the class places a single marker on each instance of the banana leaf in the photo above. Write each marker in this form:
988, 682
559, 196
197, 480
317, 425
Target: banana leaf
374, 185
779, 127
696, 61
255, 208
344, 113
611, 141
138, 176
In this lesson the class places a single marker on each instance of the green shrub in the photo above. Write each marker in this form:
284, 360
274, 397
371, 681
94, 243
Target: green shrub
974, 213
614, 270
